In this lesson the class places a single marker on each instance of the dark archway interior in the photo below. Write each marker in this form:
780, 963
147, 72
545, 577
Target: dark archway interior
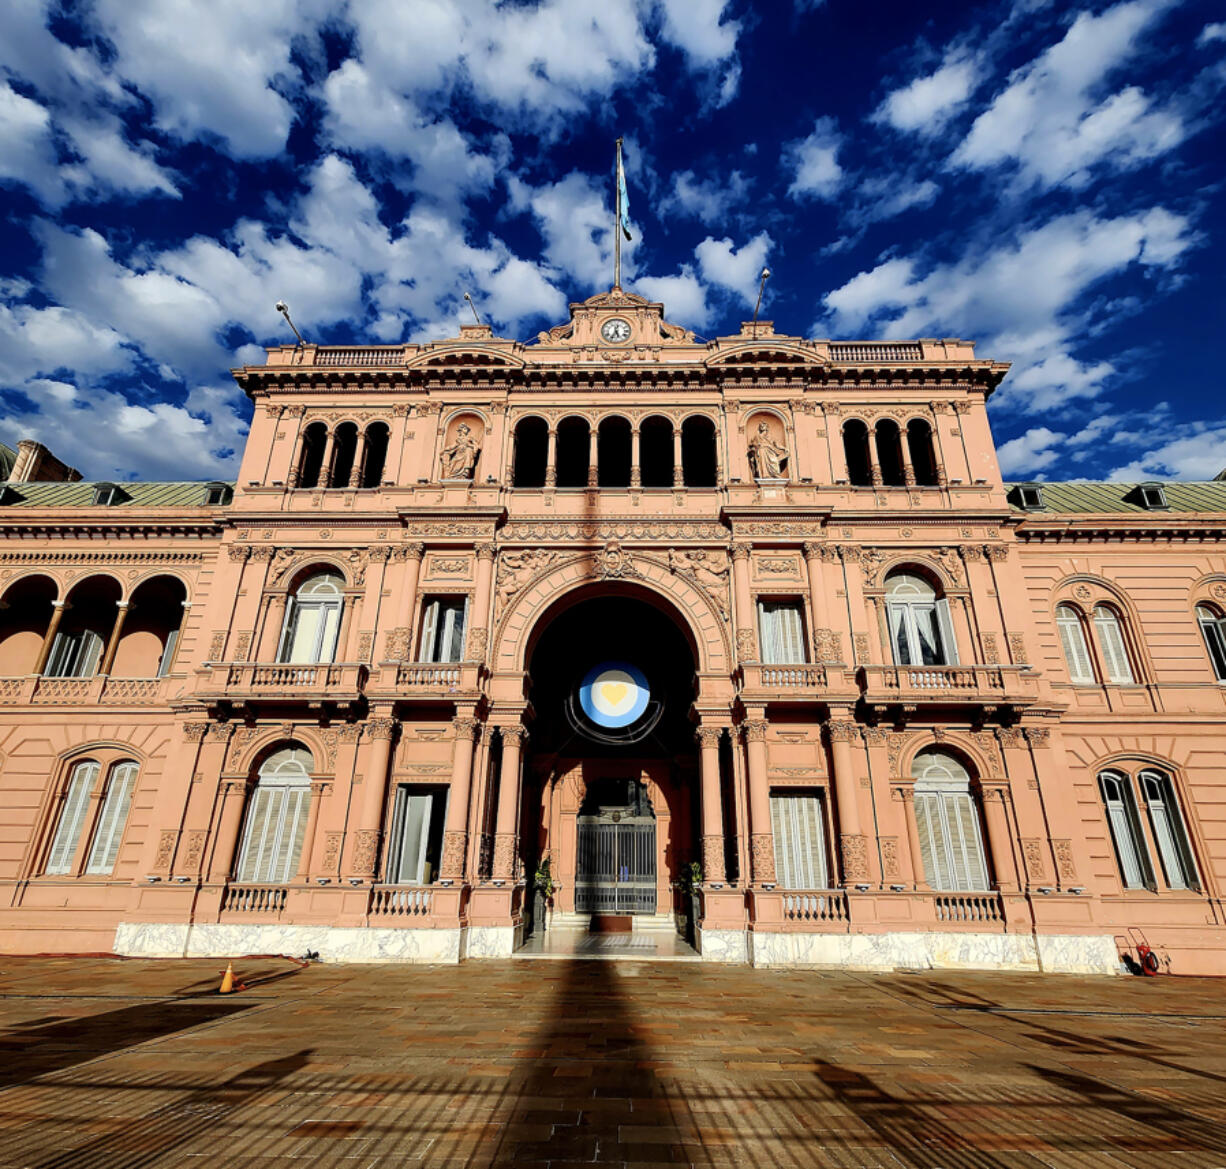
616, 628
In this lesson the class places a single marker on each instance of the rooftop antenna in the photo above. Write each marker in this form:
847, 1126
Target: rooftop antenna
283, 309
766, 275
473, 307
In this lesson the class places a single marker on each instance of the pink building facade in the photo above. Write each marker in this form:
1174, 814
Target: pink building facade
894, 712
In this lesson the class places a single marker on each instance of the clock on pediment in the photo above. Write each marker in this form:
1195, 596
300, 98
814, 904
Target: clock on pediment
615, 330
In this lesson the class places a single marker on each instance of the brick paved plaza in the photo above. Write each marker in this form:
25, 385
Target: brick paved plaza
133, 1064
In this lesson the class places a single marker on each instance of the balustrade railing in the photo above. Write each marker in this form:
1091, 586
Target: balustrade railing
327, 355
1013, 684
969, 907
875, 351
253, 899
400, 901
433, 674
815, 905
276, 679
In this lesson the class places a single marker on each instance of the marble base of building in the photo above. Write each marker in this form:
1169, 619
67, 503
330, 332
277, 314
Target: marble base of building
1052, 954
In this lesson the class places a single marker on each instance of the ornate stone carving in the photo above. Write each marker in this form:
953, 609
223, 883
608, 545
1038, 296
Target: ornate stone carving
242, 647
768, 458
762, 855
1038, 736
991, 651
217, 645
894, 749
996, 552
1017, 648
366, 645
350, 733
843, 731
478, 642
414, 550
166, 850
613, 563
485, 551
219, 732
855, 858
740, 552
746, 645
380, 728
452, 864
332, 852
465, 728
239, 553
516, 569
949, 560
504, 856
365, 851
871, 560
195, 732
702, 569
889, 857
755, 730
860, 642
1064, 860
396, 644
193, 849
713, 860
785, 566
1032, 853
708, 736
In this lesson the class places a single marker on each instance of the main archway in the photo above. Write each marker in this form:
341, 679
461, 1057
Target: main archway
610, 796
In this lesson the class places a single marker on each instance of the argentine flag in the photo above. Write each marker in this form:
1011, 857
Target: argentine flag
623, 199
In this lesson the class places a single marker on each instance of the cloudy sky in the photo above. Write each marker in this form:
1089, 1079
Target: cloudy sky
1045, 178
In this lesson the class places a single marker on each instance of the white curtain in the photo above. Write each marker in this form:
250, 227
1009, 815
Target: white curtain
782, 630
800, 840
112, 820
921, 632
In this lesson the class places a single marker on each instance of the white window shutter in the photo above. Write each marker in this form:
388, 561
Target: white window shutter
949, 643
114, 817
933, 849
291, 830
900, 637
1111, 642
1169, 833
72, 818
168, 654
330, 620
800, 843
429, 626
410, 833
967, 841
261, 812
1123, 832
1073, 641
90, 656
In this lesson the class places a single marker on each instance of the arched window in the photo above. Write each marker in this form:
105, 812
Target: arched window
855, 450
1073, 642
87, 625
574, 452
112, 818
313, 620
889, 453
1170, 833
698, 451
72, 817
276, 819
923, 457
921, 632
656, 452
310, 463
531, 453
374, 458
613, 452
947, 819
1213, 628
1111, 645
344, 451
1130, 851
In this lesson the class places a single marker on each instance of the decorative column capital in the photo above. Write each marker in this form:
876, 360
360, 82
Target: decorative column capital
1037, 736
755, 730
219, 732
414, 551
740, 552
513, 733
195, 732
465, 728
814, 550
843, 731
709, 737
485, 551
380, 728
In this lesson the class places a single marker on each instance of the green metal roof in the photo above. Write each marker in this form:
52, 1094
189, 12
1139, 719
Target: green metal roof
135, 495
1088, 498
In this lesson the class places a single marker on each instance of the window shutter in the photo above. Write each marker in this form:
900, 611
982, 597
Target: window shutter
291, 829
800, 843
1169, 834
407, 854
949, 643
330, 621
1213, 628
768, 632
453, 635
1073, 641
968, 861
429, 626
168, 654
1111, 642
62, 649
105, 848
91, 654
1123, 833
265, 803
899, 636
72, 819
933, 848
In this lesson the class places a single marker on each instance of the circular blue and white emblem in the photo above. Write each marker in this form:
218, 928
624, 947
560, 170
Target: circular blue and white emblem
614, 694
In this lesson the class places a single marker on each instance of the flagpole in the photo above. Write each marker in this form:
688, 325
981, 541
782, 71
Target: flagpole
617, 221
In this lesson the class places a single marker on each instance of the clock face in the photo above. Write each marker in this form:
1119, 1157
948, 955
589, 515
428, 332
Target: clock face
615, 330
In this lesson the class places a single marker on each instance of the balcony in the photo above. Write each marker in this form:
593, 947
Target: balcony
100, 690
278, 681
781, 683
423, 681
912, 687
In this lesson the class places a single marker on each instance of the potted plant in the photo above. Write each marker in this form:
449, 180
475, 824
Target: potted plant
689, 882
544, 888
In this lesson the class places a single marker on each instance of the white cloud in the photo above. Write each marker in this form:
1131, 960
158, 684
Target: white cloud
1049, 121
27, 153
738, 271
924, 105
814, 163
708, 200
1212, 32
683, 296
884, 197
700, 30
1029, 452
1019, 298
37, 341
1200, 455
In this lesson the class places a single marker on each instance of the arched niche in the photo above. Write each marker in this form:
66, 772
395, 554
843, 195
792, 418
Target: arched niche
460, 453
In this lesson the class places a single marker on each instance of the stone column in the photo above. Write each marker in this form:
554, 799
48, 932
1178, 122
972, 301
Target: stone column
380, 731
906, 792
762, 843
746, 639
712, 807
678, 468
359, 457
57, 615
843, 731
455, 839
408, 594
823, 635
229, 825
1000, 844
506, 819
593, 468
478, 638
551, 459
112, 645
908, 471
325, 467
636, 472
319, 788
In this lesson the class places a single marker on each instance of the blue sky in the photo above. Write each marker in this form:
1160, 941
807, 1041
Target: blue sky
1043, 178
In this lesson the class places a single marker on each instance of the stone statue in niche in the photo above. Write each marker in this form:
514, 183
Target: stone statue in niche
768, 458
460, 459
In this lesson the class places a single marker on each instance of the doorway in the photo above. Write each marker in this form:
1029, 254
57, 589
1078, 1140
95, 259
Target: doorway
615, 854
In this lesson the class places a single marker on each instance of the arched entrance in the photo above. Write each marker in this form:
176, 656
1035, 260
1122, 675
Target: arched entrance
610, 784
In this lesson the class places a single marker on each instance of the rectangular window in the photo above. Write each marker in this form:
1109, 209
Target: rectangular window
310, 635
800, 840
781, 627
417, 835
442, 629
1214, 629
114, 817
272, 841
951, 846
72, 819
1125, 827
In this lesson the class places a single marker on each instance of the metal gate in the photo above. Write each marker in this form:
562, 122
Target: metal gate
616, 869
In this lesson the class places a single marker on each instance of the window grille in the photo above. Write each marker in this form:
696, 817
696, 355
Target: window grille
800, 840
781, 625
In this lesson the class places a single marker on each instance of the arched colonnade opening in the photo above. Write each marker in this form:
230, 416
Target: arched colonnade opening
890, 454
344, 456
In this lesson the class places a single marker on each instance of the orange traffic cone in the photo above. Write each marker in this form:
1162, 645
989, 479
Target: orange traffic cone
227, 980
